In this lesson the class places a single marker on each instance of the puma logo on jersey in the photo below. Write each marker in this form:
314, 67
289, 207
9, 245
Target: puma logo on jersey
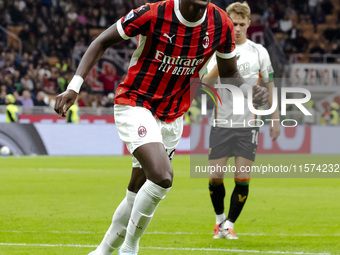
241, 199
169, 37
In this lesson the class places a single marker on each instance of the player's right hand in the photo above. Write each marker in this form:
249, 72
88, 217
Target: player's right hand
64, 101
260, 96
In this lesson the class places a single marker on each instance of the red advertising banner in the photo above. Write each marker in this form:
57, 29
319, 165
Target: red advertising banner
53, 118
292, 140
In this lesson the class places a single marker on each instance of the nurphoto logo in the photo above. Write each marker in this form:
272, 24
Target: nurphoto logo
239, 101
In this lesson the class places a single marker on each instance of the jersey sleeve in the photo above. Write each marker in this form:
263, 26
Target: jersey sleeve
227, 50
136, 22
266, 69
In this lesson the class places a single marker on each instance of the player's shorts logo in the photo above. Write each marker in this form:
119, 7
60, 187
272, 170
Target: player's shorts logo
205, 42
142, 131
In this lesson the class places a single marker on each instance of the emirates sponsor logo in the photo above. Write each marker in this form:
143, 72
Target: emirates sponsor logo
177, 65
161, 57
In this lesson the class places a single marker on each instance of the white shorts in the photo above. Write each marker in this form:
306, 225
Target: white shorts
137, 126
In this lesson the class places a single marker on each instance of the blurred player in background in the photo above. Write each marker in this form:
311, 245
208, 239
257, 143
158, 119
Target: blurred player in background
12, 111
72, 115
176, 40
237, 140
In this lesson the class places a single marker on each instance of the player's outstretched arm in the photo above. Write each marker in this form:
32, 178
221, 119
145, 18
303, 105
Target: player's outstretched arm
92, 55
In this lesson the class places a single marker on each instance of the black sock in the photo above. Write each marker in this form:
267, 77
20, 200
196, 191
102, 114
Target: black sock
237, 200
217, 194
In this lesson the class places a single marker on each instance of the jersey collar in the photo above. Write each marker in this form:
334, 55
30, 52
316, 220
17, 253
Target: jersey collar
184, 21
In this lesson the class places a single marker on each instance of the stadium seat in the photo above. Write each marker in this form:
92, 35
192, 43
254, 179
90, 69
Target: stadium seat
331, 19
12, 41
307, 30
53, 60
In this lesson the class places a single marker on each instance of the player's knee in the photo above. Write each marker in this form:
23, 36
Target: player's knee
162, 176
165, 183
165, 180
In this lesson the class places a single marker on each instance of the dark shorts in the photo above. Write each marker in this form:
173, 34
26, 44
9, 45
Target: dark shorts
230, 142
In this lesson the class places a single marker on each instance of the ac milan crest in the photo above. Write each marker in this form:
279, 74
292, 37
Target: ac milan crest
205, 42
142, 131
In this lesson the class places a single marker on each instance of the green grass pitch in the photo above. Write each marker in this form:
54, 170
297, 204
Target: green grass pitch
64, 205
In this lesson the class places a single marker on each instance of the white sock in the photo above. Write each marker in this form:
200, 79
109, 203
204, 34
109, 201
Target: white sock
146, 202
228, 224
115, 235
220, 218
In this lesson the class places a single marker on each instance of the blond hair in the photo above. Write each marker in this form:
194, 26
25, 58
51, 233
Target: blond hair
241, 9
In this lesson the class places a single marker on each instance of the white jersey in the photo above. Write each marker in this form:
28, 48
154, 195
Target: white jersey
253, 63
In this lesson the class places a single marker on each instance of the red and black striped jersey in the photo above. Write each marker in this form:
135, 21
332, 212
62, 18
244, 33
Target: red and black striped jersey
171, 52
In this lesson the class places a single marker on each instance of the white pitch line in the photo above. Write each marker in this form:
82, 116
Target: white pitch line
165, 233
49, 245
241, 234
51, 231
167, 248
232, 250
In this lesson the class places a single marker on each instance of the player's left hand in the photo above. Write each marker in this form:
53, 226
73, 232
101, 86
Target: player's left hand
64, 101
274, 130
260, 96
